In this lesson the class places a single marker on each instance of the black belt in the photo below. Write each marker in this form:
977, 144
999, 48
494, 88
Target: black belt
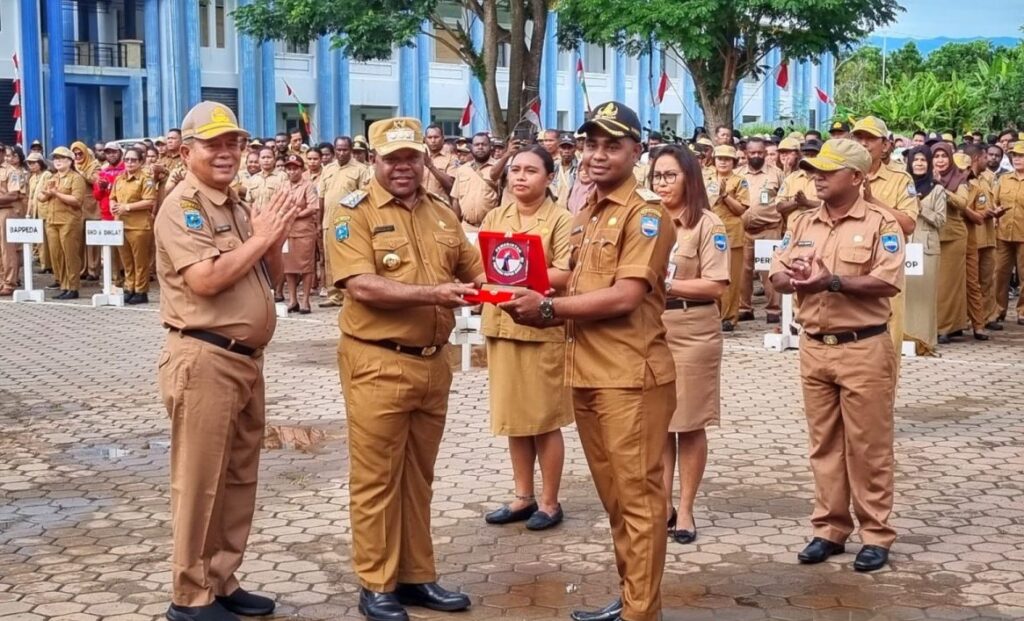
422, 352
677, 303
215, 339
848, 337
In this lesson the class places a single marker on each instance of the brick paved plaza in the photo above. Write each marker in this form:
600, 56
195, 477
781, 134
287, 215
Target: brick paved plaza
84, 514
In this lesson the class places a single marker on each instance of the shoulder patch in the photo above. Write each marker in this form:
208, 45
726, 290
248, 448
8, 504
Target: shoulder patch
352, 200
785, 240
891, 242
911, 189
648, 195
649, 224
721, 241
744, 184
193, 217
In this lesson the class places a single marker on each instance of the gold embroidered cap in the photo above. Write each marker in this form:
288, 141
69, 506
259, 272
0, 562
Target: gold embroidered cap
209, 119
390, 135
614, 118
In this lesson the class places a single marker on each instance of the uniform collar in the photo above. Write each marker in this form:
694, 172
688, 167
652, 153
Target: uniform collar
382, 198
215, 196
618, 196
858, 211
883, 172
543, 213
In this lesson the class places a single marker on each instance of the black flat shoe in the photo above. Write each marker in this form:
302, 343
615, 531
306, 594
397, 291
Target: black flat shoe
944, 339
242, 602
956, 333
293, 308
433, 596
727, 326
672, 519
685, 536
213, 612
304, 311
506, 515
981, 336
381, 606
871, 558
773, 319
542, 521
746, 316
995, 326
819, 550
610, 612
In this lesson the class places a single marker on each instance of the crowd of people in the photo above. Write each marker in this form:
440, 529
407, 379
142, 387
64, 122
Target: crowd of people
649, 251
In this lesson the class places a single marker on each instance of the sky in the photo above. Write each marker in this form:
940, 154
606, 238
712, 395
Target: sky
925, 19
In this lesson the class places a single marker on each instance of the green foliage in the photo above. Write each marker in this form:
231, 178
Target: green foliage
960, 86
720, 41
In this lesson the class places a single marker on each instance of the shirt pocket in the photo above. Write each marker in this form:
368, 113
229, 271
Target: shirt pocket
853, 261
393, 257
685, 262
604, 252
226, 242
448, 249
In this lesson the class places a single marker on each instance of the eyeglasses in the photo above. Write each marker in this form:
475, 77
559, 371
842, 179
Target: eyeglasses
668, 178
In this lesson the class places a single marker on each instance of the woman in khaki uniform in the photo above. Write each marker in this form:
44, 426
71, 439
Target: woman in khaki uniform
37, 172
729, 198
62, 196
921, 319
89, 167
952, 297
300, 260
698, 276
13, 199
520, 356
131, 201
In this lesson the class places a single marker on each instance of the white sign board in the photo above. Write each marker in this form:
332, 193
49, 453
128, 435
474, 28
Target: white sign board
104, 233
915, 260
764, 250
24, 231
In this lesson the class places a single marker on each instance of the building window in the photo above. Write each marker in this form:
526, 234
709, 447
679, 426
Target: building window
504, 51
595, 58
291, 47
751, 118
204, 23
226, 96
218, 22
211, 17
442, 52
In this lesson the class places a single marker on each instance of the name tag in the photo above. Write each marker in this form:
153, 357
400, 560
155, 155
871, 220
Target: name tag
387, 228
765, 197
223, 228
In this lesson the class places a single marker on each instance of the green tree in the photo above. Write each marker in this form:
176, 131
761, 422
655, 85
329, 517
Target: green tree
904, 63
858, 76
369, 29
958, 58
721, 41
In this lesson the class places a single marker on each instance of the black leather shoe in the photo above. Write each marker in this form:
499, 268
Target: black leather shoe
213, 612
543, 521
129, 298
746, 316
980, 336
773, 319
871, 558
672, 519
995, 326
944, 339
70, 295
381, 606
686, 536
506, 515
63, 295
138, 298
433, 596
54, 287
727, 326
610, 612
241, 602
818, 550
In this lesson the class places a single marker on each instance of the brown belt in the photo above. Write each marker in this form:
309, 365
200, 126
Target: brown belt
848, 337
422, 352
679, 303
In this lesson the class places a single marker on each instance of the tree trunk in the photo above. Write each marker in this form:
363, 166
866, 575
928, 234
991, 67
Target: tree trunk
517, 56
534, 60
490, 85
717, 104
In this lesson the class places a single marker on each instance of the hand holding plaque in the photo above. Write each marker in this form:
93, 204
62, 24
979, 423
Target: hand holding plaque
512, 262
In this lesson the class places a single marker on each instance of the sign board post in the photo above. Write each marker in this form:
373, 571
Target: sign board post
764, 250
106, 233
913, 266
281, 308
26, 231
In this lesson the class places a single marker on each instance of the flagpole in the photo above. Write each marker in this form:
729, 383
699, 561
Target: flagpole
682, 103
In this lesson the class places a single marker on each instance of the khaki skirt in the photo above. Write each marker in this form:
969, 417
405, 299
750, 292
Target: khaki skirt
301, 255
695, 338
528, 394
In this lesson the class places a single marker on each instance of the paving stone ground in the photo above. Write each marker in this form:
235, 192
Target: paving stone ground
84, 515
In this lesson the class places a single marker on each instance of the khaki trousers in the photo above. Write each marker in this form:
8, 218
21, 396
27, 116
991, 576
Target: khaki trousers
729, 304
334, 294
43, 251
898, 304
981, 270
396, 406
10, 254
952, 297
216, 402
849, 392
136, 254
66, 242
747, 282
623, 432
1008, 255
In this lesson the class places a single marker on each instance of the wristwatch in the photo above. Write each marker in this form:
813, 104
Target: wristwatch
835, 284
547, 309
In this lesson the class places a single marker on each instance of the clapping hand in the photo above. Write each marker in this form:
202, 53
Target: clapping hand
808, 274
274, 220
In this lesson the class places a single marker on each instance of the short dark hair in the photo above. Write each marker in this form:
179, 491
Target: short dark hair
539, 151
919, 133
338, 139
814, 133
324, 145
296, 131
138, 152
176, 130
433, 126
1012, 134
756, 139
995, 146
484, 134
971, 149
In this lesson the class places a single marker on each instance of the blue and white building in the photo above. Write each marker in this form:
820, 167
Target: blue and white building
106, 69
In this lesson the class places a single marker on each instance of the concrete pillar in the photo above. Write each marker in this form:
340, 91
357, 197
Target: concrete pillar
578, 115
619, 81
549, 74
407, 82
423, 47
56, 92
268, 89
151, 29
481, 118
31, 77
324, 91
193, 71
343, 107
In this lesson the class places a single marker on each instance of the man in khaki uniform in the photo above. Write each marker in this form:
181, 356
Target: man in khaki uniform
981, 242
473, 193
259, 188
844, 261
170, 167
797, 193
893, 191
13, 201
761, 221
215, 262
729, 197
439, 169
1010, 233
618, 363
397, 250
343, 177
62, 196
360, 150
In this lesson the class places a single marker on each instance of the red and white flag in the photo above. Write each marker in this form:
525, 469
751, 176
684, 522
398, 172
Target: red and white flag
823, 96
467, 114
662, 88
533, 113
782, 77
16, 100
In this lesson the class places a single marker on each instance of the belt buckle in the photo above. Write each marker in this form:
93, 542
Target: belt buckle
831, 339
429, 351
